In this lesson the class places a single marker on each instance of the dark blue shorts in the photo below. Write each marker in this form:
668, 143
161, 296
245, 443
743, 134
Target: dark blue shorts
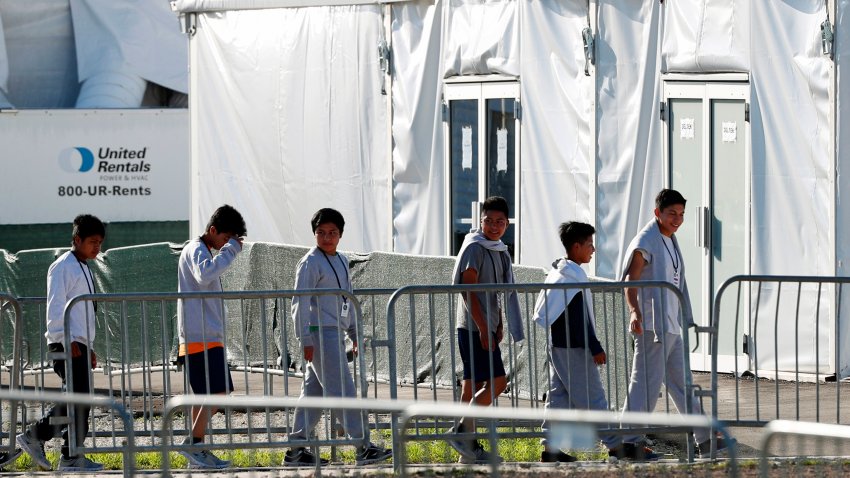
476, 361
196, 370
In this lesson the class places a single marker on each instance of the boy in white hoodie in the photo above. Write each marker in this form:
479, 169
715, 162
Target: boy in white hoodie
574, 350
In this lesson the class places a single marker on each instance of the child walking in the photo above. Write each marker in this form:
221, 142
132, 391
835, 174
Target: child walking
320, 322
67, 277
574, 350
201, 322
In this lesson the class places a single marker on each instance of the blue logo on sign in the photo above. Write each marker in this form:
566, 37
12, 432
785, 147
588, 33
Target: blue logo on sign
76, 159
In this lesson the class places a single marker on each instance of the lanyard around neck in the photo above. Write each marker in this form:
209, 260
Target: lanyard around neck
344, 299
674, 261
89, 285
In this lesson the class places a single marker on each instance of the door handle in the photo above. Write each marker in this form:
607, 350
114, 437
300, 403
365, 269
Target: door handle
703, 234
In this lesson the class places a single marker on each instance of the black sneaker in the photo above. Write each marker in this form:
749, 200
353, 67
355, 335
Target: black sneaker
372, 454
639, 452
704, 448
302, 457
556, 457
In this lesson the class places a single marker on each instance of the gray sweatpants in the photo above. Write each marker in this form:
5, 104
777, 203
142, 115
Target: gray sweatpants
652, 359
327, 375
575, 383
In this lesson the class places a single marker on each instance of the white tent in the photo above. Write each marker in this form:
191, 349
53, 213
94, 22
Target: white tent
731, 101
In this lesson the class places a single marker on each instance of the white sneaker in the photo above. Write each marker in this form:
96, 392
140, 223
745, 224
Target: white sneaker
80, 463
35, 449
204, 460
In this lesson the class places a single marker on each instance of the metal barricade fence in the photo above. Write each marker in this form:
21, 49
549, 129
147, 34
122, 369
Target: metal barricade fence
229, 403
804, 449
10, 351
421, 334
572, 429
136, 349
780, 337
128, 443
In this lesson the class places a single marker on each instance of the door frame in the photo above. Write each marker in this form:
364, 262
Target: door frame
709, 87
482, 88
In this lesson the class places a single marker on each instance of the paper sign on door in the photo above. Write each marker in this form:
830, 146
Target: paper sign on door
730, 131
686, 128
502, 149
466, 147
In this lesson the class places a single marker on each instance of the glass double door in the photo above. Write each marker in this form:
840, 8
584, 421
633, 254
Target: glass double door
482, 132
709, 163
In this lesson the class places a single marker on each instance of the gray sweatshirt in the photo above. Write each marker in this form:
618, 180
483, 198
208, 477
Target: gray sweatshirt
316, 270
649, 239
202, 320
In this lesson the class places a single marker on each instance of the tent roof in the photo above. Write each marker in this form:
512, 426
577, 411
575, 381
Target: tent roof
189, 6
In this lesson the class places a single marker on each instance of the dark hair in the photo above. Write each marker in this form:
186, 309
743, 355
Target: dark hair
325, 215
227, 219
86, 225
572, 232
495, 203
668, 197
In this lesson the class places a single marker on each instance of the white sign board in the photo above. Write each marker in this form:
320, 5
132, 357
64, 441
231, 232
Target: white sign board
120, 165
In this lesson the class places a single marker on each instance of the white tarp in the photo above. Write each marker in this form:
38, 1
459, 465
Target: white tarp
481, 37
419, 222
706, 36
792, 165
557, 164
630, 150
121, 165
4, 69
288, 117
39, 42
121, 44
842, 174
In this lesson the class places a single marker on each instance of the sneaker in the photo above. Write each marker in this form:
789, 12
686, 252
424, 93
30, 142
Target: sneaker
556, 457
481, 456
704, 448
204, 460
639, 452
79, 463
35, 449
372, 454
7, 458
301, 457
462, 446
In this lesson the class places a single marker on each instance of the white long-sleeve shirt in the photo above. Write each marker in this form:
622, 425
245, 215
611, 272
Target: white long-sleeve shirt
67, 278
202, 320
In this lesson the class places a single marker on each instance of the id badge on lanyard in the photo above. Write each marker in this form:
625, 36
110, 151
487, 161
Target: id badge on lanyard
344, 312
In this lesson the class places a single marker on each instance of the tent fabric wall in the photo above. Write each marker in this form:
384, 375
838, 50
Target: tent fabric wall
39, 42
629, 156
419, 225
481, 38
842, 173
138, 37
792, 167
4, 69
313, 138
557, 167
706, 36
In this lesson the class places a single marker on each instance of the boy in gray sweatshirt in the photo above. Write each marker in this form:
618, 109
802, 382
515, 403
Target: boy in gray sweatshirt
320, 322
200, 322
